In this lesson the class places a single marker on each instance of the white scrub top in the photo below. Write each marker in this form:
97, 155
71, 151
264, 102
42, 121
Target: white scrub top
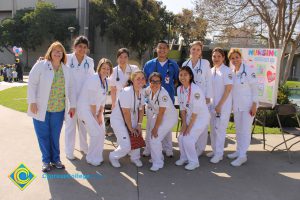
131, 101
192, 100
202, 75
93, 93
80, 71
123, 77
220, 78
160, 99
244, 91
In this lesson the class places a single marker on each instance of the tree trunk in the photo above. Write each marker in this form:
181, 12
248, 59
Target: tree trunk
289, 62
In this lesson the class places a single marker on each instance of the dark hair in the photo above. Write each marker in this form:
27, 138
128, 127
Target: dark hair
188, 70
81, 40
121, 51
162, 42
219, 50
154, 74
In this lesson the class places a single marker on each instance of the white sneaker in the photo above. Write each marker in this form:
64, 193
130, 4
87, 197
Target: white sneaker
215, 159
94, 164
114, 162
146, 154
191, 166
239, 161
137, 162
180, 162
72, 157
169, 154
155, 168
233, 155
210, 154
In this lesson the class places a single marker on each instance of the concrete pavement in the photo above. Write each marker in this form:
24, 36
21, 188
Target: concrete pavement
267, 176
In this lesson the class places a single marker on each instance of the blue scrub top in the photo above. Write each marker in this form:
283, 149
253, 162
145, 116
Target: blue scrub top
170, 66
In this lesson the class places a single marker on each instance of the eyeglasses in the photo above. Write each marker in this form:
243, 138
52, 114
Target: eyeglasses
155, 82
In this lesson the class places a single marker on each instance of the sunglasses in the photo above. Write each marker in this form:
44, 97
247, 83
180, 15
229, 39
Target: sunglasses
155, 82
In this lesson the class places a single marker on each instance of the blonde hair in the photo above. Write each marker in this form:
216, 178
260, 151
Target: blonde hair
232, 51
105, 61
196, 43
134, 74
50, 49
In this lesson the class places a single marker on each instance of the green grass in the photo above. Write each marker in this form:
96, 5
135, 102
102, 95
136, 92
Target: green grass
293, 84
15, 98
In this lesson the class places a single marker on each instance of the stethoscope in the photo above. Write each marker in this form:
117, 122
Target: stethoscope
243, 73
134, 101
105, 87
198, 68
86, 65
156, 101
182, 96
118, 77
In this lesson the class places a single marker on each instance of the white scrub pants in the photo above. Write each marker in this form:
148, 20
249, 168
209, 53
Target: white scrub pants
187, 144
202, 141
96, 133
70, 134
243, 123
124, 146
218, 132
167, 143
156, 143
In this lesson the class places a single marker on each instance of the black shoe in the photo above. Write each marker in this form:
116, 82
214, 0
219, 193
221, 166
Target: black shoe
58, 165
46, 167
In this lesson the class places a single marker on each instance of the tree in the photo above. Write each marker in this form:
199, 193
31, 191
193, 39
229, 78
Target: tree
30, 28
277, 20
190, 26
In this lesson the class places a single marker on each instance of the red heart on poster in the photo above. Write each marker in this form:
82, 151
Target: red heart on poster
271, 76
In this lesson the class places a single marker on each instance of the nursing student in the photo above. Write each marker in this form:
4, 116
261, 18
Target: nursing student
90, 108
203, 78
195, 118
161, 118
168, 69
221, 104
50, 88
126, 118
121, 74
82, 66
245, 103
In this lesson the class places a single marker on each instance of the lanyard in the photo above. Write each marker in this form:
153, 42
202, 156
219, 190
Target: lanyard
198, 68
189, 95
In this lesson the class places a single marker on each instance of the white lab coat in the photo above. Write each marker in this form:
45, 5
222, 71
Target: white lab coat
39, 87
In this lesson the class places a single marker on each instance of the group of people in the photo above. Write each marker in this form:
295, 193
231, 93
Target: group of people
65, 86
12, 73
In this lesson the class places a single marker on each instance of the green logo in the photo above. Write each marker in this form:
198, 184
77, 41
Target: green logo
21, 176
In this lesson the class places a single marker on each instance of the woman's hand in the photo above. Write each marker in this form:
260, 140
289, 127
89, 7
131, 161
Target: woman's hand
113, 105
33, 108
154, 132
139, 129
253, 110
100, 119
183, 128
218, 108
72, 112
187, 131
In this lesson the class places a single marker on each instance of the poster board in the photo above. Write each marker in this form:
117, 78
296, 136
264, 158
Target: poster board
266, 63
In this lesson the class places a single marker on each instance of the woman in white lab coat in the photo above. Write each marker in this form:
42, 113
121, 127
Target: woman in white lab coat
221, 104
203, 78
82, 66
90, 108
195, 118
161, 118
245, 102
50, 88
121, 74
126, 118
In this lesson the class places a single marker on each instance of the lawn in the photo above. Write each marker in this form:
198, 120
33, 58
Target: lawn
15, 98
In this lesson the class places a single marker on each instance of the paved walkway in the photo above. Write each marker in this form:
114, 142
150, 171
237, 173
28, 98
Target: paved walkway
5, 85
267, 176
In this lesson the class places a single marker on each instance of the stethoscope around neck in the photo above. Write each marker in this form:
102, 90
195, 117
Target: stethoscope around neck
86, 64
156, 100
243, 73
198, 68
118, 77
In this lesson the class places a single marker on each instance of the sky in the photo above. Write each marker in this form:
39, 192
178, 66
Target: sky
176, 5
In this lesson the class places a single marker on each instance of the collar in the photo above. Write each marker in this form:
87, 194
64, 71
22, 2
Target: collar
75, 58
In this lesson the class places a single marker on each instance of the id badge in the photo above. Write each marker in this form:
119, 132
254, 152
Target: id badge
167, 79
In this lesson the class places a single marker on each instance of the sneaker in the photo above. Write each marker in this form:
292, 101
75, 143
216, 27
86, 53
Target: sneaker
146, 154
180, 162
46, 167
215, 159
58, 165
114, 162
137, 162
169, 154
150, 160
233, 155
94, 164
191, 166
155, 168
210, 154
239, 161
72, 157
